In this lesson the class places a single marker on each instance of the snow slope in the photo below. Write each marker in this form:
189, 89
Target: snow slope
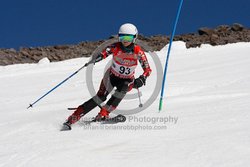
206, 114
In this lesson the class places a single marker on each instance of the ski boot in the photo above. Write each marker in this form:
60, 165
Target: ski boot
102, 115
79, 112
66, 126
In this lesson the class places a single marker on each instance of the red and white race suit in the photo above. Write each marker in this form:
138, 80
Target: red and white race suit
120, 74
124, 63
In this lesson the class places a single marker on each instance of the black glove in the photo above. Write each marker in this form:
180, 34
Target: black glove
139, 82
98, 58
95, 59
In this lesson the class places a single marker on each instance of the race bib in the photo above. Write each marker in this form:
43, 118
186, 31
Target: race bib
123, 70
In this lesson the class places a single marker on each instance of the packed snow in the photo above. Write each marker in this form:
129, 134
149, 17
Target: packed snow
204, 121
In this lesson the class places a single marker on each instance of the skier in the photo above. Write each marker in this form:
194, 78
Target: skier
126, 55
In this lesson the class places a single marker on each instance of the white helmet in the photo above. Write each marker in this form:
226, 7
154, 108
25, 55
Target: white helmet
128, 29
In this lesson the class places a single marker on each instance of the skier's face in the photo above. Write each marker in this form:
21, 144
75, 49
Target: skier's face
125, 43
126, 39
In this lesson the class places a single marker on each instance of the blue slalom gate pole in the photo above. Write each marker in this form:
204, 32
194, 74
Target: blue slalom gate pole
31, 105
168, 54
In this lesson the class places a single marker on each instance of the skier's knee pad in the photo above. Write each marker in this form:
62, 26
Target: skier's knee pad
119, 94
99, 99
103, 98
116, 98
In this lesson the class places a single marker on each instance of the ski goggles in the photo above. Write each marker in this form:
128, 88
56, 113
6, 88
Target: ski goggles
126, 38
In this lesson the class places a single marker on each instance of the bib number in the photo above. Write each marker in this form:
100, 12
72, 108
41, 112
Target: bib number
124, 70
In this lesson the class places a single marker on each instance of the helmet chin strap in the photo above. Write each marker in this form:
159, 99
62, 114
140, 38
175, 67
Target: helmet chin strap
136, 36
128, 48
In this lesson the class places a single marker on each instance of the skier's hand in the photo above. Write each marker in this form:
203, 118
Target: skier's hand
98, 58
95, 59
139, 82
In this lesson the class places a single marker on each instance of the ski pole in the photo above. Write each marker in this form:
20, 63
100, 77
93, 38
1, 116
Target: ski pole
32, 104
140, 103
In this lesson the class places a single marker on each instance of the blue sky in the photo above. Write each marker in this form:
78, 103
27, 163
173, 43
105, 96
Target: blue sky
31, 23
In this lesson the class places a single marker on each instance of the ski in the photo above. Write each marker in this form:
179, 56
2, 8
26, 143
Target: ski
65, 127
117, 119
114, 120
